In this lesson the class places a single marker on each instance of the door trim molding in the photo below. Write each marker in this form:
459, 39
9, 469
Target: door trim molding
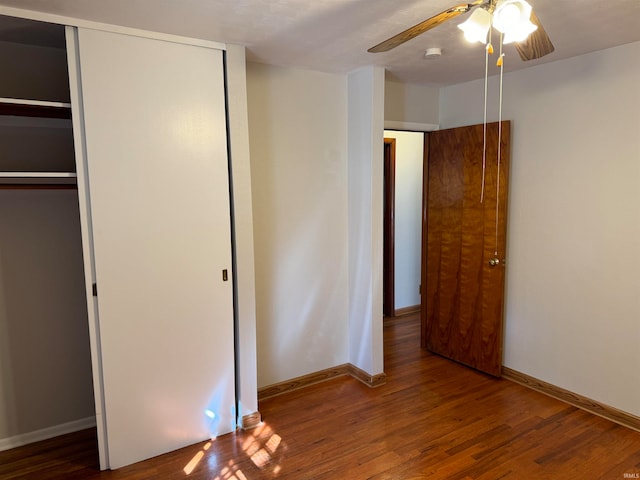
410, 126
389, 235
605, 411
423, 257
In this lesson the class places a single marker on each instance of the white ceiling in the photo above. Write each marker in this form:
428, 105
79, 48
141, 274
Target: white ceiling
334, 35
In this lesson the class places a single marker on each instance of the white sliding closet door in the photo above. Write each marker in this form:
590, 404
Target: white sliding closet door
156, 152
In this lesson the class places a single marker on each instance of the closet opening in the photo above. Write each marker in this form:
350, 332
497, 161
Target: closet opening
46, 382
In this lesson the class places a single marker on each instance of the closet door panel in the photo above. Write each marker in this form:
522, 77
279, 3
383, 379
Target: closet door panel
155, 129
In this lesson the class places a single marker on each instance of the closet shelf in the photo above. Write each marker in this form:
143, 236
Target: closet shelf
35, 179
34, 108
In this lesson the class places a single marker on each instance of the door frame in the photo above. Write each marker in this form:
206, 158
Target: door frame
425, 129
388, 269
425, 226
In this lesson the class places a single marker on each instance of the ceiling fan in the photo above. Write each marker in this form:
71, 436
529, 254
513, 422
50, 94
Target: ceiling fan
536, 42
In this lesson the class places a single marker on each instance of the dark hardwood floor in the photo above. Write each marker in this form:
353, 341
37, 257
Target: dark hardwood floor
433, 419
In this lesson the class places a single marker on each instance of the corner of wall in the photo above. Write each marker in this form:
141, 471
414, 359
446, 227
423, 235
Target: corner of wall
365, 136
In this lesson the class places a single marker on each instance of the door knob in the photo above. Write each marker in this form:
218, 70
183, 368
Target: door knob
494, 261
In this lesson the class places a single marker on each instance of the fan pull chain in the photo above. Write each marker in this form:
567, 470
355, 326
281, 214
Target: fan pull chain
488, 51
501, 65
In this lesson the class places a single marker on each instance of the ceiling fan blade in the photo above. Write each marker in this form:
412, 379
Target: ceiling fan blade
537, 45
422, 27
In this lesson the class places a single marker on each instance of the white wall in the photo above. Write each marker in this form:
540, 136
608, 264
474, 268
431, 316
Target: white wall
45, 364
27, 62
573, 287
404, 102
298, 140
366, 181
408, 218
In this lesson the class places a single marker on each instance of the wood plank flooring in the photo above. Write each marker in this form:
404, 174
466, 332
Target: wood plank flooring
434, 419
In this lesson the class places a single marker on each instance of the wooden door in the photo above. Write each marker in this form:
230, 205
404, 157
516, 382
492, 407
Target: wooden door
156, 156
462, 304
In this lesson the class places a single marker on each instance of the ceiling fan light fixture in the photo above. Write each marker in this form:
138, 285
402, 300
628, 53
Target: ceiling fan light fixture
512, 17
477, 26
519, 34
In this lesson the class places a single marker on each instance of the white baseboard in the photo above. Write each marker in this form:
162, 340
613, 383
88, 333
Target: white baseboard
45, 433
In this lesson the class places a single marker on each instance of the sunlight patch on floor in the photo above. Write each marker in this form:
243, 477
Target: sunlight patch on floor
193, 463
230, 473
260, 447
